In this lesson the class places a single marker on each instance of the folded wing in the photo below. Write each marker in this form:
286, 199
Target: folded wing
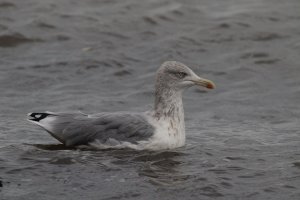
80, 129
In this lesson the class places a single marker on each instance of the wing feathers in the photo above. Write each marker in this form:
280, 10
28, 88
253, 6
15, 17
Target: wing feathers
78, 129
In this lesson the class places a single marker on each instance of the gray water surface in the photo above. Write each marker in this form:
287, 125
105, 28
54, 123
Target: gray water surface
243, 139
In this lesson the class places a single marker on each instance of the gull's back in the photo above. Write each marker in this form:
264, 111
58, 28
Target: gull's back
106, 129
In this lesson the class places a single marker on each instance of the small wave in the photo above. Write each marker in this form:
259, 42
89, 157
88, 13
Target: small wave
265, 36
254, 55
150, 20
210, 191
7, 5
267, 62
61, 37
16, 39
45, 25
122, 73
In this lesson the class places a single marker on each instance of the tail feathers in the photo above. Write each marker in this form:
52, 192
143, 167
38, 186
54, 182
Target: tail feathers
45, 120
38, 116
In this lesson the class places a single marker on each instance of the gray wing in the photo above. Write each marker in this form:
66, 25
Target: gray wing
79, 129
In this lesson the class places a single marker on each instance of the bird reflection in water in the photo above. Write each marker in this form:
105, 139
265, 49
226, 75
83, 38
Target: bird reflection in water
159, 168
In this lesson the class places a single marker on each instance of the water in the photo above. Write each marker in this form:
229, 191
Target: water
242, 138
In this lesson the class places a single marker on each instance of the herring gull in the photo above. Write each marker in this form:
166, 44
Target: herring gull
160, 128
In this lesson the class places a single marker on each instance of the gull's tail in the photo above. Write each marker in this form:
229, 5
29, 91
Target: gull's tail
42, 119
37, 116
57, 123
46, 120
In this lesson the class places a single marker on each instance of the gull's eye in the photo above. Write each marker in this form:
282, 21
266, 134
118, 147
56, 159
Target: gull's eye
181, 74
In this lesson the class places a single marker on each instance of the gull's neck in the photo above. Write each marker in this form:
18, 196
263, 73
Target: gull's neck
169, 109
168, 103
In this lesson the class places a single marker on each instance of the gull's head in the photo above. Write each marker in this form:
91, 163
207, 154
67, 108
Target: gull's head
175, 75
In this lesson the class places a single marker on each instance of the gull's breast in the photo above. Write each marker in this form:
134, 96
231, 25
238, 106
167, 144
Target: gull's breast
168, 134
